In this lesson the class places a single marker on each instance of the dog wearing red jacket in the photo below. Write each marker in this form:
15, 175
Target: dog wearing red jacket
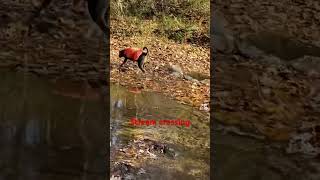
134, 54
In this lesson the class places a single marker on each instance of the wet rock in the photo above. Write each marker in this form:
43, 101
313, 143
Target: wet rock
187, 77
175, 68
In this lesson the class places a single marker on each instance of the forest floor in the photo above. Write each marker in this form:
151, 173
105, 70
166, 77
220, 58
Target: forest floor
58, 48
163, 54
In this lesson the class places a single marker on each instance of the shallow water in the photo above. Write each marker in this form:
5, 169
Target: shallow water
50, 131
236, 157
191, 144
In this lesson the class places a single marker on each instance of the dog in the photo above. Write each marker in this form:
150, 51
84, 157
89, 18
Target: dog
134, 54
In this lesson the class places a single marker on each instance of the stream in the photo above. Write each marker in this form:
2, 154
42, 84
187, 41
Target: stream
190, 146
56, 130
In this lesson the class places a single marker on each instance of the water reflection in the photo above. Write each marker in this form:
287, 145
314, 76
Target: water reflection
190, 144
48, 132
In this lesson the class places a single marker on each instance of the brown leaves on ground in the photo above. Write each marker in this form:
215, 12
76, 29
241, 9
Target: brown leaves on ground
162, 53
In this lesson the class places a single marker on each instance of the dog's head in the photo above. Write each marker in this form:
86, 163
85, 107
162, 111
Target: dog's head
145, 50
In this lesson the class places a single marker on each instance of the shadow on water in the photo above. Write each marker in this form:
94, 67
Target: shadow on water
48, 132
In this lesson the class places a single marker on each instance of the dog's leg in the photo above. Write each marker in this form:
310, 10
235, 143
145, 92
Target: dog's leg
141, 64
125, 60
